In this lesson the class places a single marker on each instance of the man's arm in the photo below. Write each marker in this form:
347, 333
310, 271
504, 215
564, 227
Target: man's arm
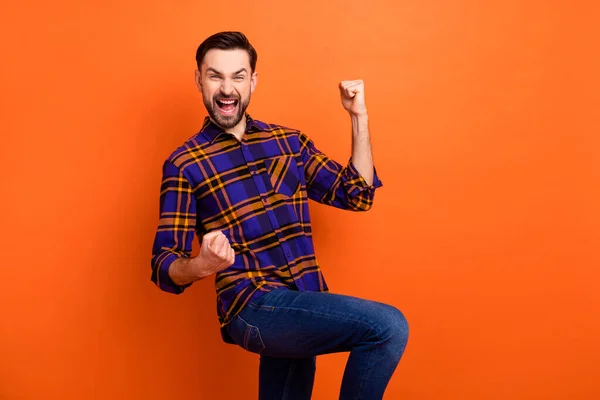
328, 182
173, 268
352, 94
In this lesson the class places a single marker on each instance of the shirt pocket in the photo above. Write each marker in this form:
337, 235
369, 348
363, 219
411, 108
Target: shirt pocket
283, 175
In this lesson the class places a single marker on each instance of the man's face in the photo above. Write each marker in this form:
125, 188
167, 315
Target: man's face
226, 82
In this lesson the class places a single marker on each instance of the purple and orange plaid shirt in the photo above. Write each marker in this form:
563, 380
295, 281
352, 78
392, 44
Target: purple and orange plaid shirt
256, 192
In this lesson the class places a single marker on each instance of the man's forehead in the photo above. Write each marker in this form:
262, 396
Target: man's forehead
226, 60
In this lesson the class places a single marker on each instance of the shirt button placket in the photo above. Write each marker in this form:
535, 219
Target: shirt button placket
287, 252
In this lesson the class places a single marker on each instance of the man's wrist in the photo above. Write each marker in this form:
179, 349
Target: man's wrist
360, 124
176, 272
186, 270
360, 115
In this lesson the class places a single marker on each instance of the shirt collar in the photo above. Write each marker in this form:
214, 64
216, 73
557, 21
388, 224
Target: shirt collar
212, 131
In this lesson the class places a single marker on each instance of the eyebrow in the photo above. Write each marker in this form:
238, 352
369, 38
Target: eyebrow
220, 73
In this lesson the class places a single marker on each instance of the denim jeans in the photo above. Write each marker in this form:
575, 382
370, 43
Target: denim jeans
290, 328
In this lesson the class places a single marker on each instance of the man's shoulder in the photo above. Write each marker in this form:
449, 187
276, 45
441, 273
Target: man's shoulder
185, 151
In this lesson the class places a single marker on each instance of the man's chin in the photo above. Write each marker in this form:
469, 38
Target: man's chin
227, 122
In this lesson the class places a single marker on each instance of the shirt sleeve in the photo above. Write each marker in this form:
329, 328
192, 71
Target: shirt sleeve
176, 227
330, 183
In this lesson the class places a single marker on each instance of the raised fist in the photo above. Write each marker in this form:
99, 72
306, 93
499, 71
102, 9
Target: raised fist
216, 252
353, 97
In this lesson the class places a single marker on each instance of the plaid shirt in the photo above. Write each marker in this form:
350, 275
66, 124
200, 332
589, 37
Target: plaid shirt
256, 192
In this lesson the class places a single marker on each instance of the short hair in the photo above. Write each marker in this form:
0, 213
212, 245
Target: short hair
226, 41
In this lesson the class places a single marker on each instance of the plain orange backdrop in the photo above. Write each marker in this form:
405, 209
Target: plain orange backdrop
485, 128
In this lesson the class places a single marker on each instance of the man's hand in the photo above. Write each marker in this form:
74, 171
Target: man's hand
216, 253
353, 97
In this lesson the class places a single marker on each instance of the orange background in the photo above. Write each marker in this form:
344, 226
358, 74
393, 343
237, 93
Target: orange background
484, 120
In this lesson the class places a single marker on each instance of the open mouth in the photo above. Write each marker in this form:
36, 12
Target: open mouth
227, 106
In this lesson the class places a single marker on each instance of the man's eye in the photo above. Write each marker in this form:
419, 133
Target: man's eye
239, 78
213, 77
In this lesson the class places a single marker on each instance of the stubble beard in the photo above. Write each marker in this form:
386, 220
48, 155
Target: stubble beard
226, 122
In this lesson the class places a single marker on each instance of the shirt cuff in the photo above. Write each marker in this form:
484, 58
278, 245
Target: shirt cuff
165, 282
356, 178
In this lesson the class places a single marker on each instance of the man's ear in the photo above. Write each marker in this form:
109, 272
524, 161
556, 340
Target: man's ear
198, 79
253, 81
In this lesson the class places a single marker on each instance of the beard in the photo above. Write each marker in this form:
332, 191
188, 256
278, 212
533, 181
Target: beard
226, 121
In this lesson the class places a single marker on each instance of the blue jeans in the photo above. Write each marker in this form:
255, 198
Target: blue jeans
290, 328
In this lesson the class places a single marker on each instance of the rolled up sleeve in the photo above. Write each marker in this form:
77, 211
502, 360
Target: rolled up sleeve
330, 183
176, 227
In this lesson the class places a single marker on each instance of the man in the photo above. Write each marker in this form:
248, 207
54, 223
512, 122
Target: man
242, 186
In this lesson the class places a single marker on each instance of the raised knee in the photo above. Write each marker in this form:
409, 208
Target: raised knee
393, 326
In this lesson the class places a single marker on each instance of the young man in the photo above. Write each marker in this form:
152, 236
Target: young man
243, 187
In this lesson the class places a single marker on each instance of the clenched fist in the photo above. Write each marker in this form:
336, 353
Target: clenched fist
353, 97
216, 253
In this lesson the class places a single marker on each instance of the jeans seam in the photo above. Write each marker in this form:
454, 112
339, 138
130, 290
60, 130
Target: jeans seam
339, 318
247, 335
245, 339
287, 380
362, 380
260, 307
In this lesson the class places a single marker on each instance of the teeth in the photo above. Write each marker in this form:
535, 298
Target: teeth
227, 101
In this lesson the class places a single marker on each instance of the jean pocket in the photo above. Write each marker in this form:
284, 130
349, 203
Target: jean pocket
283, 174
246, 335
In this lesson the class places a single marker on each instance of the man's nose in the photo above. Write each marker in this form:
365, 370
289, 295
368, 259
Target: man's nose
227, 87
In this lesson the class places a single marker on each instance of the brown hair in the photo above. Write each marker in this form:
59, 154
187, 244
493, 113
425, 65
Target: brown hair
226, 41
